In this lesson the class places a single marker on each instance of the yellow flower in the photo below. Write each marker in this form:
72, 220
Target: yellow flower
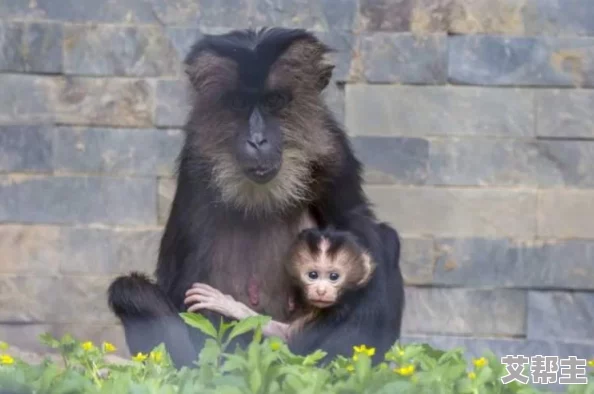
156, 356
6, 359
363, 349
3, 345
275, 346
405, 371
471, 375
479, 362
350, 368
591, 363
108, 347
87, 346
139, 357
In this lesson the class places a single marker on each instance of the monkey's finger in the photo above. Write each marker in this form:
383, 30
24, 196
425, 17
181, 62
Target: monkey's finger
197, 299
203, 292
206, 289
200, 306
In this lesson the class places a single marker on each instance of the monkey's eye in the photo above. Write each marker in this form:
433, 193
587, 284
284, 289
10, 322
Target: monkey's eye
334, 276
312, 275
275, 101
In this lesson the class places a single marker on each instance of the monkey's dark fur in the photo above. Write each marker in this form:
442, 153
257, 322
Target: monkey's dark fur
262, 154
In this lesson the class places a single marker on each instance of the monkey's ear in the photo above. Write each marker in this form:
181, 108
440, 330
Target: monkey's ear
368, 269
325, 75
205, 68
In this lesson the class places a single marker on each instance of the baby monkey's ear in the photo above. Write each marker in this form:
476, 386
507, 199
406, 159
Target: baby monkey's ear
368, 269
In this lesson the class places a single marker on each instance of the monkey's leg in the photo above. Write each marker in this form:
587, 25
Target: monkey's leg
150, 319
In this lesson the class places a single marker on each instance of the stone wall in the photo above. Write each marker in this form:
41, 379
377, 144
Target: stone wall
475, 120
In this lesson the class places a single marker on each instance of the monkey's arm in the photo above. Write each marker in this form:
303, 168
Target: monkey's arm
202, 296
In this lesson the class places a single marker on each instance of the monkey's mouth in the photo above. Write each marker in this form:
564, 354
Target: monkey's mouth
321, 303
262, 174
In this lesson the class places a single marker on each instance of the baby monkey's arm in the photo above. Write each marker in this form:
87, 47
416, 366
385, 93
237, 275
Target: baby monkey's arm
202, 296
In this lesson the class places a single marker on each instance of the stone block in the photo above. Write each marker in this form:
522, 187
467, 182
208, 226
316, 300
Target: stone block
25, 148
67, 199
464, 311
456, 212
44, 47
119, 50
393, 159
30, 249
565, 113
49, 250
27, 299
174, 103
167, 187
112, 251
339, 14
207, 13
569, 163
117, 151
528, 17
12, 43
505, 17
417, 260
25, 99
567, 315
343, 46
404, 58
82, 299
566, 213
121, 11
438, 111
526, 61
487, 262
24, 336
386, 15
430, 16
305, 14
551, 17
507, 162
102, 102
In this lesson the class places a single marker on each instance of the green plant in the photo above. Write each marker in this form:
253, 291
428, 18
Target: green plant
265, 366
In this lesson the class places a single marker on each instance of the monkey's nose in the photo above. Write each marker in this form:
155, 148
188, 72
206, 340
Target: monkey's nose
320, 291
256, 147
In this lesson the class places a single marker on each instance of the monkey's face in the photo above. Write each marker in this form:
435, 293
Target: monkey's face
259, 118
322, 286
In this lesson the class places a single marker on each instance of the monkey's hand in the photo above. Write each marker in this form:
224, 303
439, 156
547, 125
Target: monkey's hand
202, 296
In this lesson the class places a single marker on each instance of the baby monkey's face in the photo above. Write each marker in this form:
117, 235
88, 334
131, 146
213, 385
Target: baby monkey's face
326, 263
322, 283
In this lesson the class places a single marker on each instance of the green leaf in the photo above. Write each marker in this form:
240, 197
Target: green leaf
200, 322
312, 359
248, 324
255, 380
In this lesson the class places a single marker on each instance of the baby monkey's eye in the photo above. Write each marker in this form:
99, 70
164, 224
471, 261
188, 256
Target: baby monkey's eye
312, 275
334, 276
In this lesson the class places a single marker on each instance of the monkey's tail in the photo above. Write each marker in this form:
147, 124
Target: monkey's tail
149, 318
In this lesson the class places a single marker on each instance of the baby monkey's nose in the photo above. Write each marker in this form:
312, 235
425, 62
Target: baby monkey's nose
321, 291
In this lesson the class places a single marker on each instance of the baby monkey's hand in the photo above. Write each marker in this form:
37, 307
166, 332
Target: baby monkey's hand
202, 296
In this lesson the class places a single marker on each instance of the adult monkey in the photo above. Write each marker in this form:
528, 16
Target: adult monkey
263, 158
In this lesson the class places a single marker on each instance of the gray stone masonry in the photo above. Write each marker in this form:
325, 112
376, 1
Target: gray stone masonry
474, 120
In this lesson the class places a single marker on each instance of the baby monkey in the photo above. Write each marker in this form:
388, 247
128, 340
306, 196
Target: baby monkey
322, 264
